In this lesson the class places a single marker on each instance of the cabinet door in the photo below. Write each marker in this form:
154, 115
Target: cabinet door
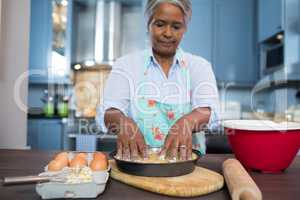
40, 39
45, 134
32, 134
234, 44
270, 16
198, 38
50, 134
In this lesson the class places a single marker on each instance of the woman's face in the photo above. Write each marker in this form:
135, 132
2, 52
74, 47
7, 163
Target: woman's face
166, 29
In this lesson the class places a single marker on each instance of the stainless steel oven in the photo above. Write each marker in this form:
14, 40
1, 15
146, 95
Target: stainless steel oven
272, 54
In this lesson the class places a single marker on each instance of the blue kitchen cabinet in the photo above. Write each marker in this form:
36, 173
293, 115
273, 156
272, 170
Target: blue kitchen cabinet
198, 38
32, 134
50, 134
40, 40
270, 18
45, 134
223, 32
233, 43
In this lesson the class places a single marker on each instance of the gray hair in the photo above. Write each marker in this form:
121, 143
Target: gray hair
184, 5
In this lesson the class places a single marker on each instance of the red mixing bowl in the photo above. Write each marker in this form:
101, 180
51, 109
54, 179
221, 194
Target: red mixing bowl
263, 145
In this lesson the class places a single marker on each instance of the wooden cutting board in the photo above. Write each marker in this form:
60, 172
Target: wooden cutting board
200, 182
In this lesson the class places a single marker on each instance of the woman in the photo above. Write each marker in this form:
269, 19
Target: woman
163, 96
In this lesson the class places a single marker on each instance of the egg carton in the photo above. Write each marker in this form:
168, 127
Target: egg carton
56, 189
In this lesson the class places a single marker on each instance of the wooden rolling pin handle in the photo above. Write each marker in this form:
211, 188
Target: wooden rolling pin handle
240, 185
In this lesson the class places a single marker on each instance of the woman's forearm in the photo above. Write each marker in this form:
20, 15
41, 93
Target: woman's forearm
198, 118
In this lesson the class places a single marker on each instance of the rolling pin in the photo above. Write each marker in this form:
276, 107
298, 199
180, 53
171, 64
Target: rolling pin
241, 186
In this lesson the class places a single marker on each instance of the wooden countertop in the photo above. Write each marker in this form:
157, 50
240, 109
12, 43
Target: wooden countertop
25, 162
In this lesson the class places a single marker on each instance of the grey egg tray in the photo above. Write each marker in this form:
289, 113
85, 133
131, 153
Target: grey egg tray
54, 190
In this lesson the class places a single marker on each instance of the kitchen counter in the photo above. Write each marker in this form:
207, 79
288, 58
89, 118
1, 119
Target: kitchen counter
25, 162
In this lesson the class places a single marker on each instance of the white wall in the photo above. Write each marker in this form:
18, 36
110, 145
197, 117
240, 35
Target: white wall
14, 55
0, 16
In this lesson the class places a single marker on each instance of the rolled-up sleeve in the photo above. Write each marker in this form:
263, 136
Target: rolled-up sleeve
204, 90
116, 94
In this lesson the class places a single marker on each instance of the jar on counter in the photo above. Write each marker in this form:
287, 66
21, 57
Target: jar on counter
49, 107
63, 107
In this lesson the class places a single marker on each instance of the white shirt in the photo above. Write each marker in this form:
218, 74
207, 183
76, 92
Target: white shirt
122, 84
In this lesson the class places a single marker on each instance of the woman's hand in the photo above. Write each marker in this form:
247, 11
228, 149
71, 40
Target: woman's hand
130, 142
179, 140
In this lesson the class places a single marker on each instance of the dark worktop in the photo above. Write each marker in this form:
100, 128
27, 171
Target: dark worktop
42, 116
25, 162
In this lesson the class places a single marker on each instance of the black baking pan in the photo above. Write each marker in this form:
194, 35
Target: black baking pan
157, 169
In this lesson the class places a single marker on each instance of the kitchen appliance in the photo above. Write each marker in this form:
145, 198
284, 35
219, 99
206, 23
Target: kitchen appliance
263, 145
97, 35
157, 169
104, 30
272, 54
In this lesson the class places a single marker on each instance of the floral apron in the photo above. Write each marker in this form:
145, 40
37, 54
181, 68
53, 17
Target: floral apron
155, 118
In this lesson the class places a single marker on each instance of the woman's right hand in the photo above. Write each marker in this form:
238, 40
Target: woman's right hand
130, 142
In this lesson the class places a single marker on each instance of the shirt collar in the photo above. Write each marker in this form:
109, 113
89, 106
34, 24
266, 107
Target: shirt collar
178, 61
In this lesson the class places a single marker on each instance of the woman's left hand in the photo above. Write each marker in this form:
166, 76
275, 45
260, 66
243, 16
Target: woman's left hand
179, 140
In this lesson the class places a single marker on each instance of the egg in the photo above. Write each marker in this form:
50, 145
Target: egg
78, 162
98, 165
63, 158
64, 161
99, 156
81, 155
55, 165
61, 155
